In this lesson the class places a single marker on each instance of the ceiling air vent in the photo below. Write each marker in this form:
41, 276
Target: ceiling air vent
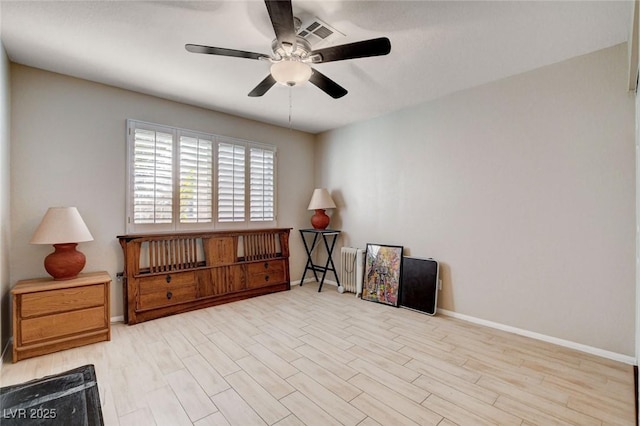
318, 33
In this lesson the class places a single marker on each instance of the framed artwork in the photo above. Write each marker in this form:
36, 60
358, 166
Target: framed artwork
382, 274
420, 278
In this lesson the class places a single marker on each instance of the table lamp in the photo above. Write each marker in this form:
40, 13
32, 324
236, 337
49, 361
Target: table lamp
320, 200
64, 228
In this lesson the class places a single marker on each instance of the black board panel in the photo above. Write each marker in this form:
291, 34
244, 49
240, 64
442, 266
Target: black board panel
419, 288
70, 398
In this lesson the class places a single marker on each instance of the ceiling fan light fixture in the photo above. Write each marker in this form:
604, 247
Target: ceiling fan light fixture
291, 73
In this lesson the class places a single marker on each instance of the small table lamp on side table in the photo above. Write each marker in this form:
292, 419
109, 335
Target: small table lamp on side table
320, 200
64, 228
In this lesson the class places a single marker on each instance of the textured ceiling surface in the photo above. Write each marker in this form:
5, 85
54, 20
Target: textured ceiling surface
438, 47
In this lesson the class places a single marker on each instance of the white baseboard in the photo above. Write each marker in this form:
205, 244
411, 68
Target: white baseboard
560, 342
313, 280
549, 339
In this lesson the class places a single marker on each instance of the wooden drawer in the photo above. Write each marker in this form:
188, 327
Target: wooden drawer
170, 281
64, 324
167, 297
55, 301
265, 273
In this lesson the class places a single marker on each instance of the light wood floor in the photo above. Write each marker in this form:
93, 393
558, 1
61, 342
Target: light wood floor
303, 357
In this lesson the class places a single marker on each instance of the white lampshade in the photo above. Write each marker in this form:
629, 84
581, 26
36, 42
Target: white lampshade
321, 200
61, 225
291, 73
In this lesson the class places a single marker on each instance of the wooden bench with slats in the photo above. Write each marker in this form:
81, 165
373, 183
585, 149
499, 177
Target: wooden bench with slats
166, 274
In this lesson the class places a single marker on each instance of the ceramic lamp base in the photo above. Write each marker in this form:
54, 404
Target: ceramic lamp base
320, 220
65, 262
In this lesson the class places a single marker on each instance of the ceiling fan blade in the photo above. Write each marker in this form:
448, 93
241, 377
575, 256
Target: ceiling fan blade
281, 15
327, 85
209, 50
360, 49
263, 87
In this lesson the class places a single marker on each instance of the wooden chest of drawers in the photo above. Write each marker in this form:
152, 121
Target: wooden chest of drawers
169, 273
50, 316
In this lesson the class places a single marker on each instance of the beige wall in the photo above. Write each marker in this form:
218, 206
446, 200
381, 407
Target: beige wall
68, 148
523, 189
5, 224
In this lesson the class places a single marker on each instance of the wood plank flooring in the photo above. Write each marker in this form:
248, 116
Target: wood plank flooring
308, 358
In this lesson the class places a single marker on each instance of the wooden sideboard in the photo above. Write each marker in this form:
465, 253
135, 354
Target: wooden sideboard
165, 274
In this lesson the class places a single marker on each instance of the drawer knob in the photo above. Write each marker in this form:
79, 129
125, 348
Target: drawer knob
169, 295
266, 277
168, 278
266, 265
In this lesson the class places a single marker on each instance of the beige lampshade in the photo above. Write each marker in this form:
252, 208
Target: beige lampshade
321, 200
61, 225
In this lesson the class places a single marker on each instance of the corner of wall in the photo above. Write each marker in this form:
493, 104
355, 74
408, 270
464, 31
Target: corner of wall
5, 228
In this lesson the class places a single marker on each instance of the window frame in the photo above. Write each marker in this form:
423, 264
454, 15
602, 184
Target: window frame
175, 225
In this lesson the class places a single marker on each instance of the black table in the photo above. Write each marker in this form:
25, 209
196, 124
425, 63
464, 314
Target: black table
328, 237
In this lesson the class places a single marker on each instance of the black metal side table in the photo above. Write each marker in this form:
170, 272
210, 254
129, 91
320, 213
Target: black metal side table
329, 243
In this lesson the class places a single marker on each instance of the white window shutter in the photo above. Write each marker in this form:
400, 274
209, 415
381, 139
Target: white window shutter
196, 179
262, 184
231, 182
152, 177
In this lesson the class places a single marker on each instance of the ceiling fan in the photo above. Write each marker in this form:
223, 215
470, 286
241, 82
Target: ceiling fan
292, 54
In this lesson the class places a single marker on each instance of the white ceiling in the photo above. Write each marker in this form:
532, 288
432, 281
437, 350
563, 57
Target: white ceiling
437, 47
